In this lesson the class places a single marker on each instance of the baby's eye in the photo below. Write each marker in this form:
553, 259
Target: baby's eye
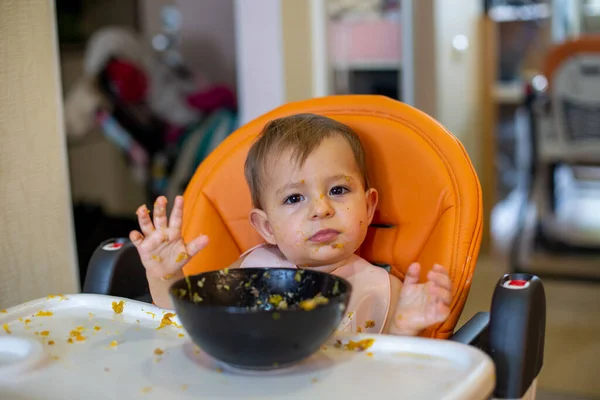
295, 198
338, 191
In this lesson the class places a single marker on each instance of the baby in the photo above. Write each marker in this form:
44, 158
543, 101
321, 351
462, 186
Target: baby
312, 206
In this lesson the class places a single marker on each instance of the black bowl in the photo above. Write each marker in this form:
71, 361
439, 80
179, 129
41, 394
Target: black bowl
239, 318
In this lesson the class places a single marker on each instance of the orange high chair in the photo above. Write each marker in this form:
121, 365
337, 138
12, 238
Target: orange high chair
430, 211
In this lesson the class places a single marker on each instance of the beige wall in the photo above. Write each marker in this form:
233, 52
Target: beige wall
297, 49
36, 239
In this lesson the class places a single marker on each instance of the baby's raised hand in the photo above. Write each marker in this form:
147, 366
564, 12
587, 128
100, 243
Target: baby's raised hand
423, 304
160, 245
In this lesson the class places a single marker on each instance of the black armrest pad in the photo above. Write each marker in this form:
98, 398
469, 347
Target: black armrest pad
116, 269
474, 332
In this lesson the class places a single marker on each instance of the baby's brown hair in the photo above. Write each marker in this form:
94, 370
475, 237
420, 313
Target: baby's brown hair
302, 133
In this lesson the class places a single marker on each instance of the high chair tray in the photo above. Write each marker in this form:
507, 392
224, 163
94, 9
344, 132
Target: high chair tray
78, 347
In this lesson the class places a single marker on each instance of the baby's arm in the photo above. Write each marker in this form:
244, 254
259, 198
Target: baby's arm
415, 306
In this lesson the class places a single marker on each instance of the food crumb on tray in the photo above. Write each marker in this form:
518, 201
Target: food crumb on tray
159, 351
118, 307
6, 328
166, 320
361, 345
44, 314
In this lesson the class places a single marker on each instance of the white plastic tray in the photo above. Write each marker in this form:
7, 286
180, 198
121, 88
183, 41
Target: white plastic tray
31, 368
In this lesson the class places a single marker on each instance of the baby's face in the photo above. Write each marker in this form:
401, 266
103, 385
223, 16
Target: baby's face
317, 214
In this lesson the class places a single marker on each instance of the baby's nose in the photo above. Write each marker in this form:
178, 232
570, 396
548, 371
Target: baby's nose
322, 208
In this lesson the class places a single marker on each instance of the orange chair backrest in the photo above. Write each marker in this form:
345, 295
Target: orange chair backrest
430, 207
571, 48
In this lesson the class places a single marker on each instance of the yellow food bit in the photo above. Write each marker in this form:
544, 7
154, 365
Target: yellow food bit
44, 314
200, 283
114, 343
351, 314
182, 292
369, 324
51, 342
219, 370
36, 333
359, 329
80, 338
181, 335
151, 313
80, 328
181, 256
90, 315
225, 271
146, 389
27, 321
166, 320
336, 288
275, 299
97, 328
226, 287
70, 340
3, 311
337, 246
158, 351
51, 296
45, 333
361, 345
310, 304
55, 358
298, 276
196, 298
157, 258
118, 307
7, 329
167, 277
369, 354
184, 387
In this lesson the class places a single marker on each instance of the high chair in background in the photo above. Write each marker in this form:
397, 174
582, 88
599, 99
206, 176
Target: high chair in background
430, 211
559, 233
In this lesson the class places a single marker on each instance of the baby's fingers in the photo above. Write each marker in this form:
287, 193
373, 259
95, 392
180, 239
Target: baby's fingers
440, 294
144, 220
154, 241
437, 312
136, 238
160, 212
440, 277
176, 213
196, 245
412, 274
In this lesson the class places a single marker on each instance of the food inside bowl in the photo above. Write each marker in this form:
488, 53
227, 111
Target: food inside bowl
259, 300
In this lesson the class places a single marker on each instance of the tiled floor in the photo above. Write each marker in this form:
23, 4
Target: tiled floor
571, 368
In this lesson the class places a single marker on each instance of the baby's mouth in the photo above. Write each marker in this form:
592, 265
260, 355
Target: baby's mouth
324, 236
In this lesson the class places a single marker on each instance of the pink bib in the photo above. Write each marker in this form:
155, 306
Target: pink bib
371, 292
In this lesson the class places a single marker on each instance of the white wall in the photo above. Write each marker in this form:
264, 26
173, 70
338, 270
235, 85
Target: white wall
259, 53
458, 104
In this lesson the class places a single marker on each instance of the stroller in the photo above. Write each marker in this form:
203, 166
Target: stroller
559, 232
164, 119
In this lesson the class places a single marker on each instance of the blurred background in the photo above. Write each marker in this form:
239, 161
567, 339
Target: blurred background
151, 87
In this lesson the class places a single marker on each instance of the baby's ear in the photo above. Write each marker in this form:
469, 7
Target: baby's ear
260, 222
372, 198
